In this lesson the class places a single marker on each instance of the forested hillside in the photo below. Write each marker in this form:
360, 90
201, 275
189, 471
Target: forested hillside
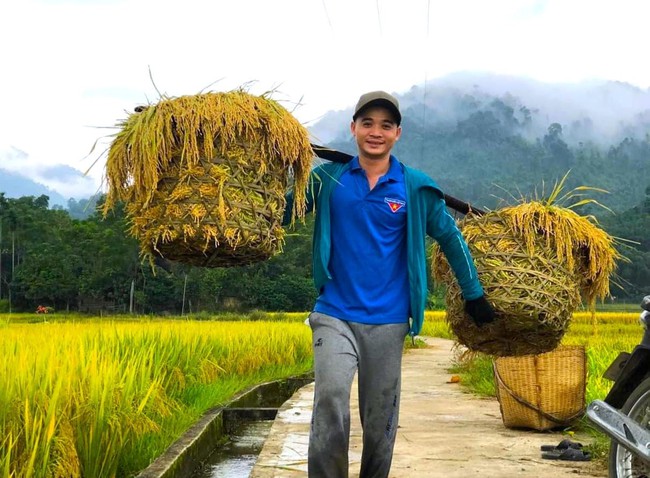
48, 258
487, 148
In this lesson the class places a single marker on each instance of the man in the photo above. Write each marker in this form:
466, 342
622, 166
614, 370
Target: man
369, 265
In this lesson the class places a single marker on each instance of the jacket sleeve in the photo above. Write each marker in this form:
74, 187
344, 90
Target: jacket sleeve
442, 227
313, 189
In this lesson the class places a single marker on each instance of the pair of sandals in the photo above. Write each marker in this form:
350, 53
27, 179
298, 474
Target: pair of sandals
566, 450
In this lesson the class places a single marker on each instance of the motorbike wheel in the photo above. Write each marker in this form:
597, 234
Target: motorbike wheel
623, 463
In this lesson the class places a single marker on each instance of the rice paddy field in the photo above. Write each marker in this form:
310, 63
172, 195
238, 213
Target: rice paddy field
102, 398
99, 399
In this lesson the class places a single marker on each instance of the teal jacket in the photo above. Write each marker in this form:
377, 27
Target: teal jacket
426, 215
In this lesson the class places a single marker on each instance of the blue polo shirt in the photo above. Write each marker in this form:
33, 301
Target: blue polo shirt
368, 260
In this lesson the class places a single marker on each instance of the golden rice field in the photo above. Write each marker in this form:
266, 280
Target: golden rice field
99, 399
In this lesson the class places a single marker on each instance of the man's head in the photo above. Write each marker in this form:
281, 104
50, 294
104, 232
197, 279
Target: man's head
378, 98
375, 125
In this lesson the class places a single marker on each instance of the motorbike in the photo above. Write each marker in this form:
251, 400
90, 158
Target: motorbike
624, 414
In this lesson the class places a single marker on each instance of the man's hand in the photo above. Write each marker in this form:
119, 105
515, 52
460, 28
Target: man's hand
480, 311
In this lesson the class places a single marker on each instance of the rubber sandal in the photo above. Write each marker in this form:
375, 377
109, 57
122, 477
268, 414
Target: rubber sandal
568, 454
563, 445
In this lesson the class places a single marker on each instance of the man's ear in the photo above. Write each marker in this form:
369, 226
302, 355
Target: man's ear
399, 133
353, 128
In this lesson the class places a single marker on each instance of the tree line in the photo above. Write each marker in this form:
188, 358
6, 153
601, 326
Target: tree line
50, 259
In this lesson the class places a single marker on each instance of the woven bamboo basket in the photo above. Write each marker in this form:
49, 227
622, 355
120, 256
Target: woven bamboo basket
537, 262
543, 391
221, 212
534, 295
203, 177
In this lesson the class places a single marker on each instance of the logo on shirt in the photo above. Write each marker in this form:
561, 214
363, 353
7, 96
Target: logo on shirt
394, 204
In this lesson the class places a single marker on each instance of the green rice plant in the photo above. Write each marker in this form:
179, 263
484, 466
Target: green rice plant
435, 325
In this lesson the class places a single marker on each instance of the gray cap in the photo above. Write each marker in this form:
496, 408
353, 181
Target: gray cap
378, 98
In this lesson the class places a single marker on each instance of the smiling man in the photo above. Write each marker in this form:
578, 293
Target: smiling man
369, 265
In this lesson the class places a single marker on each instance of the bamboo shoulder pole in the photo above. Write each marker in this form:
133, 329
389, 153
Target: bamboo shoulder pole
341, 157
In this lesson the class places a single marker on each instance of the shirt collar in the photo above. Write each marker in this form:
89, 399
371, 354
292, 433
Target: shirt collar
354, 164
394, 172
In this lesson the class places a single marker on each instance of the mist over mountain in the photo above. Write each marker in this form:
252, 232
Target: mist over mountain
492, 140
475, 134
15, 185
601, 112
22, 175
598, 111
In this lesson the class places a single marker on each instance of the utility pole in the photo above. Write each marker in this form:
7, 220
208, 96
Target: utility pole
0, 258
184, 288
13, 265
131, 296
13, 254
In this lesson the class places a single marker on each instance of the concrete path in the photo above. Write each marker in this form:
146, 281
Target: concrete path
443, 432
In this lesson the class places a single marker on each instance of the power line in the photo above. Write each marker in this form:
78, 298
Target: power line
378, 17
426, 79
327, 14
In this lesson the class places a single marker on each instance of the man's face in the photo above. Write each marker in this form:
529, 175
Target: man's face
376, 132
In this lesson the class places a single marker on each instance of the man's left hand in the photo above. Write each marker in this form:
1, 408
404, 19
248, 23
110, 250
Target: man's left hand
480, 311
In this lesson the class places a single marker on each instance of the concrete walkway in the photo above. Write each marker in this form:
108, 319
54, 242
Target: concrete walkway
443, 432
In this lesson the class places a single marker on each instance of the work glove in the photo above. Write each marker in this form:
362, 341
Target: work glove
480, 311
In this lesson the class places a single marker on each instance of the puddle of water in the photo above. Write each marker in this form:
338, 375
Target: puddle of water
301, 413
236, 458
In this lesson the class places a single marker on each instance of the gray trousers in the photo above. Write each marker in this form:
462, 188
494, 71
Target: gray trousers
340, 349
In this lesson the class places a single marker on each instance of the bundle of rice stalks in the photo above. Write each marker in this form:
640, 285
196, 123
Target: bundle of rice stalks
537, 261
203, 177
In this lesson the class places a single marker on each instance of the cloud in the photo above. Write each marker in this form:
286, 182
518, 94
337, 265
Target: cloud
75, 68
68, 181
64, 179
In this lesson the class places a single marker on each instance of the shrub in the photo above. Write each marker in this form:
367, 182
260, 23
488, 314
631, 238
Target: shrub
258, 315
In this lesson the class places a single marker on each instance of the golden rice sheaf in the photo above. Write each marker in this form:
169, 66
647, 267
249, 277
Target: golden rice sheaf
221, 160
533, 291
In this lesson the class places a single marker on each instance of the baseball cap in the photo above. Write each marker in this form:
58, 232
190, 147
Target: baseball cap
378, 98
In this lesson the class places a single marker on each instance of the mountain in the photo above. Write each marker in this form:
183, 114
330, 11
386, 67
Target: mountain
596, 111
493, 140
22, 176
14, 185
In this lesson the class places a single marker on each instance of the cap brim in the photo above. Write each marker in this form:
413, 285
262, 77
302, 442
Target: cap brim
383, 103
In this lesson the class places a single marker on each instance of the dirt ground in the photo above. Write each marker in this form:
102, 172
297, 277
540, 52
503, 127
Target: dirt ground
443, 432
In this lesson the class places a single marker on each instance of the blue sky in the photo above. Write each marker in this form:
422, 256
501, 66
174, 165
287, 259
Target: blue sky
72, 69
